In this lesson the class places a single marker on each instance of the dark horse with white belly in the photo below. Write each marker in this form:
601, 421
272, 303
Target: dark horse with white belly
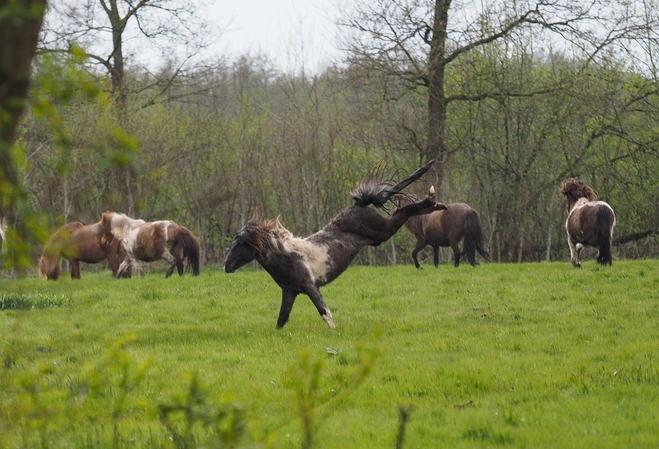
302, 265
589, 221
447, 228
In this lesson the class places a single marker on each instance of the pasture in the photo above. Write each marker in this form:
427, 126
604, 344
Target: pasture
502, 355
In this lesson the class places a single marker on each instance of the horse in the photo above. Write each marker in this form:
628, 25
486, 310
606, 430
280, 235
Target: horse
77, 242
589, 221
302, 265
447, 228
151, 241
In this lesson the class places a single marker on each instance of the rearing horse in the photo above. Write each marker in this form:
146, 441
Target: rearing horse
589, 221
302, 265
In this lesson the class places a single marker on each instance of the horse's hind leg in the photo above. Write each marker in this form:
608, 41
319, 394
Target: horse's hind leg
75, 268
435, 255
172, 262
319, 302
287, 301
575, 251
456, 253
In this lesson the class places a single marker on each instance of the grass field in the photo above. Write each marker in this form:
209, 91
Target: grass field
502, 355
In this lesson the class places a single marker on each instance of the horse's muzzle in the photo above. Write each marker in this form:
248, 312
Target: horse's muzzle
440, 206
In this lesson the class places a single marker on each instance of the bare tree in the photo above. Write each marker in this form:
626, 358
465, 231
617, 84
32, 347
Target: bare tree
111, 32
418, 40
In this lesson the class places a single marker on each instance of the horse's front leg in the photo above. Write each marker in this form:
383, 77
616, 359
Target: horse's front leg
75, 268
287, 300
319, 302
574, 252
125, 264
420, 244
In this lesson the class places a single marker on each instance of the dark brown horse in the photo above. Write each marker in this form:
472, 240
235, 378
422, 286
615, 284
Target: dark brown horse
77, 242
148, 242
589, 221
302, 265
447, 228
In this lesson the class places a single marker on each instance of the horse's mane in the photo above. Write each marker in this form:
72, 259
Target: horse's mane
574, 189
121, 225
259, 233
376, 190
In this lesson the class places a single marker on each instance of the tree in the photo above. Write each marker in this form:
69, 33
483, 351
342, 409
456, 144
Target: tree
20, 23
171, 31
418, 41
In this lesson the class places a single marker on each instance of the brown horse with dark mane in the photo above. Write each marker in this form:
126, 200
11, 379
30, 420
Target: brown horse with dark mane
448, 228
302, 265
77, 242
589, 221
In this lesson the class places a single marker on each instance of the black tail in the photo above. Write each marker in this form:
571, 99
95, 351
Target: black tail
603, 225
473, 239
378, 192
190, 244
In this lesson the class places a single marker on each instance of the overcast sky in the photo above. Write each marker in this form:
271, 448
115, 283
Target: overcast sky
290, 32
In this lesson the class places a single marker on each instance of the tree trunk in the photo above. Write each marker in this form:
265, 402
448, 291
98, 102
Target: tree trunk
117, 73
436, 100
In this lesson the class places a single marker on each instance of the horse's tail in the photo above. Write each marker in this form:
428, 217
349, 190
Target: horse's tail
49, 263
373, 190
473, 239
603, 231
191, 248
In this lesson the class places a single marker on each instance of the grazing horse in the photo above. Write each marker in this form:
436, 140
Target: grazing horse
589, 221
447, 228
302, 265
148, 242
77, 242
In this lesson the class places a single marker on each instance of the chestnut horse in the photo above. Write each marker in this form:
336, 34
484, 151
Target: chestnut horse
447, 228
148, 242
77, 242
302, 265
589, 221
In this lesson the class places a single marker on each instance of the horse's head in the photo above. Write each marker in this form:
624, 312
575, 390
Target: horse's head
573, 189
249, 241
106, 221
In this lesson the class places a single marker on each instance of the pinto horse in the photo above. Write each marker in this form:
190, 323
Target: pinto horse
589, 221
447, 228
77, 242
302, 265
148, 242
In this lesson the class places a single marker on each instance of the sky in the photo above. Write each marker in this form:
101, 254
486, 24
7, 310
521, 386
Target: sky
293, 33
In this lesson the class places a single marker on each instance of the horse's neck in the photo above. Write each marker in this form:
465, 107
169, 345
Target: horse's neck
578, 203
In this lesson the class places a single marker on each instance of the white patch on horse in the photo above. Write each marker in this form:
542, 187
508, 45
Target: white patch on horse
314, 257
121, 225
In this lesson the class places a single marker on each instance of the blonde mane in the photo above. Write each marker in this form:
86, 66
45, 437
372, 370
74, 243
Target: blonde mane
121, 225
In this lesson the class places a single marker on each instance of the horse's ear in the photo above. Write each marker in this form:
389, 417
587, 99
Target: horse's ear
255, 215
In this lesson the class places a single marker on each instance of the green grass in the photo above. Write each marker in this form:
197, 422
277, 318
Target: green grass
502, 355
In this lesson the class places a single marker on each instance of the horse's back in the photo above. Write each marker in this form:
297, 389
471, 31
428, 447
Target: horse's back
441, 227
582, 224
